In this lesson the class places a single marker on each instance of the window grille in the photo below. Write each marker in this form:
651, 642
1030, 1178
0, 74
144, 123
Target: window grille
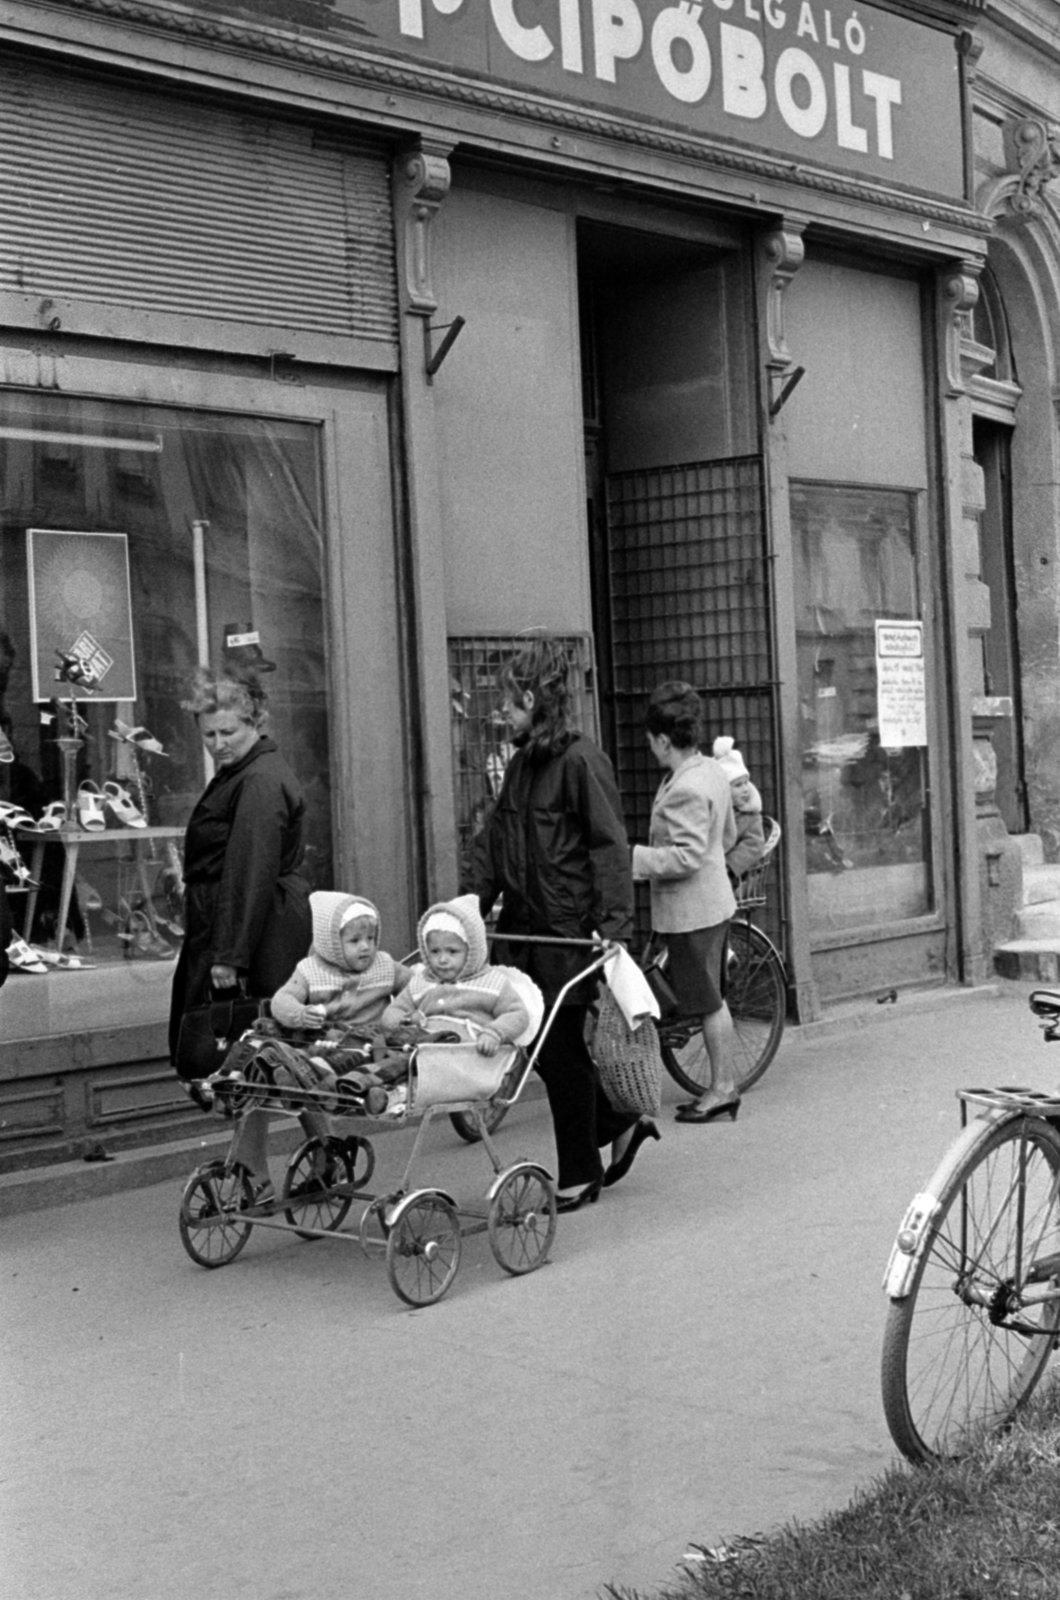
691, 596
480, 736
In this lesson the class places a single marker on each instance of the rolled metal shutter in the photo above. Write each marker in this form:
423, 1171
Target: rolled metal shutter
128, 197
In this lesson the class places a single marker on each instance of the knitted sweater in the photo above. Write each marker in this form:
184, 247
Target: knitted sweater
480, 995
322, 978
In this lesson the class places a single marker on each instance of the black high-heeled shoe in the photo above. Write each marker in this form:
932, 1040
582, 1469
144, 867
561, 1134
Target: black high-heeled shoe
645, 1129
727, 1108
585, 1197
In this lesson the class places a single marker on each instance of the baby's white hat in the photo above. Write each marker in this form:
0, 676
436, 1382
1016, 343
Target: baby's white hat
729, 758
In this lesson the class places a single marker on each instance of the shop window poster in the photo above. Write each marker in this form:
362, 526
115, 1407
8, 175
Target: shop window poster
80, 604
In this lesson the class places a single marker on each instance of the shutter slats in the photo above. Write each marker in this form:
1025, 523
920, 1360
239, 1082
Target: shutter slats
115, 195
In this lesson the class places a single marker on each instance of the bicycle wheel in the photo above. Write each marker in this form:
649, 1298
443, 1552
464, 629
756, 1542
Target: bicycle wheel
961, 1351
757, 997
467, 1127
212, 1230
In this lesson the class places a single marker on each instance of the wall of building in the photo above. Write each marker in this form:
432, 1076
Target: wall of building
508, 406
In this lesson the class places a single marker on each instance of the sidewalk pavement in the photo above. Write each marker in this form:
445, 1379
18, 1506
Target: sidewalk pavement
699, 1359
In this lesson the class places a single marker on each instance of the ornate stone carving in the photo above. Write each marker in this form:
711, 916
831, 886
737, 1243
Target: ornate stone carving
958, 293
1034, 148
421, 183
781, 254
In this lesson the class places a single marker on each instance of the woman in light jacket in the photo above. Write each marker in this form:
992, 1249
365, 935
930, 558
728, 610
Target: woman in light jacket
692, 826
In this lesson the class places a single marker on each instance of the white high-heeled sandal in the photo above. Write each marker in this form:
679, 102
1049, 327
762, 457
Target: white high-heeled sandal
90, 812
22, 958
121, 803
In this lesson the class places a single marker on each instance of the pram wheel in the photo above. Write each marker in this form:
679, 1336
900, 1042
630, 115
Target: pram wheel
318, 1185
212, 1230
522, 1218
467, 1127
423, 1247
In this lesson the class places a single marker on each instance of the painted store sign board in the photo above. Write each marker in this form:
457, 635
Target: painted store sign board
823, 82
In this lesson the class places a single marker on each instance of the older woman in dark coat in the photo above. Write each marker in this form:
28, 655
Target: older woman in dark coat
555, 846
247, 919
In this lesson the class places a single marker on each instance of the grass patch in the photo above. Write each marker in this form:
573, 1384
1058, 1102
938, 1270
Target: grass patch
985, 1528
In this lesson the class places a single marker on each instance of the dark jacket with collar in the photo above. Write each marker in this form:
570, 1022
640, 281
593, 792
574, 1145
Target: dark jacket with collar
247, 904
555, 846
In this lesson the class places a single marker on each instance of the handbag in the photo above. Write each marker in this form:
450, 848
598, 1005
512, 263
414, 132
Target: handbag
208, 1032
628, 1060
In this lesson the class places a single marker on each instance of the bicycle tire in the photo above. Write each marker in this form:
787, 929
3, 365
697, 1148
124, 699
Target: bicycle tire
756, 991
951, 1372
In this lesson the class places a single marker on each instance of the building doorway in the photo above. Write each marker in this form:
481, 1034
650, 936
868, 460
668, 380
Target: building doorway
680, 571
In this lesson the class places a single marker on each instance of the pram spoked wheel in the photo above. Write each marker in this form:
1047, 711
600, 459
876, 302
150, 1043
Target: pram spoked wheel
212, 1229
521, 1222
423, 1247
467, 1126
320, 1182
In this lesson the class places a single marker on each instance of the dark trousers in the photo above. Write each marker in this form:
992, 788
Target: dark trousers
583, 1118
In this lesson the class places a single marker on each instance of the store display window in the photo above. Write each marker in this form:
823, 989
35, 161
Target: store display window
137, 542
864, 801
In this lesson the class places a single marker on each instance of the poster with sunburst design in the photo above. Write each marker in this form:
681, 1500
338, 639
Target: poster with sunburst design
80, 604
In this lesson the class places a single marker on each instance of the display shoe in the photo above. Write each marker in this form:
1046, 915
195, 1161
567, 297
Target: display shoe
13, 816
121, 803
88, 897
61, 960
22, 959
140, 939
7, 749
125, 734
52, 817
90, 804
13, 862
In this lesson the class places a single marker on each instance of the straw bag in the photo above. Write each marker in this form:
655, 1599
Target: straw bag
629, 1062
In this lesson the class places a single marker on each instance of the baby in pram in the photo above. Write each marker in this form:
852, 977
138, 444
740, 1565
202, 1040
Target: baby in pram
345, 983
454, 992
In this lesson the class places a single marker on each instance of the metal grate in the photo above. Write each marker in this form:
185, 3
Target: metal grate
691, 597
479, 733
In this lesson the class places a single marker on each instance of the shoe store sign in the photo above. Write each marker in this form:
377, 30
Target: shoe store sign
825, 82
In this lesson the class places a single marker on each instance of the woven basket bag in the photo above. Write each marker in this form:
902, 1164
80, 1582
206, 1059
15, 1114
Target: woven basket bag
629, 1062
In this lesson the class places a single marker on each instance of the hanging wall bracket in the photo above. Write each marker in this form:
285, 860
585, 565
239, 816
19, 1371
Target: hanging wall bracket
786, 393
434, 359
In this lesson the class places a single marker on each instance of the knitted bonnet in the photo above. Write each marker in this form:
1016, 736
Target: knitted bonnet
729, 758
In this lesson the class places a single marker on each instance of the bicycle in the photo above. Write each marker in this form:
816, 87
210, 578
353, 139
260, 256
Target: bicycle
756, 991
974, 1274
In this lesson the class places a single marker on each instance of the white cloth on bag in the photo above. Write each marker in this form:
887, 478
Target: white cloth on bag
630, 988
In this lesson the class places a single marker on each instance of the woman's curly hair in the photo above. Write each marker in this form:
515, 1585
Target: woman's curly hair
240, 692
541, 667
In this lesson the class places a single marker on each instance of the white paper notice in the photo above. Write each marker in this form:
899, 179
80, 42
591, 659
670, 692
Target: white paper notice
901, 694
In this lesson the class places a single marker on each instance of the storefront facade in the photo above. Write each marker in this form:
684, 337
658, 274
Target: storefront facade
367, 337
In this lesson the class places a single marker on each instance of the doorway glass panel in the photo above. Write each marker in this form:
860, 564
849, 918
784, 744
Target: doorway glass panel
865, 806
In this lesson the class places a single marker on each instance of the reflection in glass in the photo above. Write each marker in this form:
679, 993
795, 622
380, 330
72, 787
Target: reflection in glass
223, 521
865, 807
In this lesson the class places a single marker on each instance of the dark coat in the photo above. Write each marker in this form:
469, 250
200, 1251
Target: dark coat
555, 846
246, 903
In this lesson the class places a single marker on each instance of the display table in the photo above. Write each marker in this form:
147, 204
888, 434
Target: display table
75, 839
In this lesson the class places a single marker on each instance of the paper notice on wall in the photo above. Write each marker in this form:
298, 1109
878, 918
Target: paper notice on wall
901, 691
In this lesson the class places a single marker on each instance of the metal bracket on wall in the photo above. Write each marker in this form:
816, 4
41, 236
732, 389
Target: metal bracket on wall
434, 359
786, 393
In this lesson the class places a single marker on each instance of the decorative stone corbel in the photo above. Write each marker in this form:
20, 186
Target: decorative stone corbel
421, 181
780, 254
1033, 147
958, 293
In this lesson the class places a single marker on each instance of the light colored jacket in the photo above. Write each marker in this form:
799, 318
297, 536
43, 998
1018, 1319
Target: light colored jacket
692, 826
